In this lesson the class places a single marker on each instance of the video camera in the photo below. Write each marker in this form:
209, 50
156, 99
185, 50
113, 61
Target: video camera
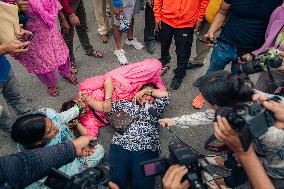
180, 153
250, 119
266, 61
89, 179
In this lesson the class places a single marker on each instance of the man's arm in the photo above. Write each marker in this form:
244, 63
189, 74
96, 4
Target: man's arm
202, 9
157, 11
13, 47
219, 19
66, 7
24, 168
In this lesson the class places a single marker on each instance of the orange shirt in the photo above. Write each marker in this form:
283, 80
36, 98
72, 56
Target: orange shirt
180, 13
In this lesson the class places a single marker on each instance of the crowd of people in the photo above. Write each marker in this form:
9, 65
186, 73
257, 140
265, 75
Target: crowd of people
132, 98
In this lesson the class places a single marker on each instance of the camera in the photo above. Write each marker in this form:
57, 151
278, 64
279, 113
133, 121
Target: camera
266, 61
250, 119
89, 179
180, 153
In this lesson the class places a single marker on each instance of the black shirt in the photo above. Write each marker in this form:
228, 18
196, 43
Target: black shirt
245, 28
24, 168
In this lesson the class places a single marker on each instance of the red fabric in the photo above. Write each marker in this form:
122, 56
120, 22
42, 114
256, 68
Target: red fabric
180, 13
66, 8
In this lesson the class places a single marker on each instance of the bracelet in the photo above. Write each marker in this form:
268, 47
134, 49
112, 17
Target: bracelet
80, 108
108, 98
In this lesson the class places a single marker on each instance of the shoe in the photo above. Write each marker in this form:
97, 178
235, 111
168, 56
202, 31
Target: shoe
135, 43
197, 82
150, 47
211, 160
104, 38
175, 84
193, 66
120, 54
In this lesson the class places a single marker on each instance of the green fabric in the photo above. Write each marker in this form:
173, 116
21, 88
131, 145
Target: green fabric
75, 5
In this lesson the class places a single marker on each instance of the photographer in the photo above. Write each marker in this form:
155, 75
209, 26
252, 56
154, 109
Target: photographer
21, 169
249, 160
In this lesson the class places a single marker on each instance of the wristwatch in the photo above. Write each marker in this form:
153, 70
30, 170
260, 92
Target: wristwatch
108, 98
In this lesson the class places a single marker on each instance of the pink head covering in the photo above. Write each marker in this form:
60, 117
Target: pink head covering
47, 10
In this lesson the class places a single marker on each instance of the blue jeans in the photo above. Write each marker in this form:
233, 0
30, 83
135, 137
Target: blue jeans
222, 55
125, 163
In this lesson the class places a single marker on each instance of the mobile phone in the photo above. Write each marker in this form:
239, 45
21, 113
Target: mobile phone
155, 167
29, 38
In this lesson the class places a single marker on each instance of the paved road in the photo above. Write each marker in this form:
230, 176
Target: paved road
180, 104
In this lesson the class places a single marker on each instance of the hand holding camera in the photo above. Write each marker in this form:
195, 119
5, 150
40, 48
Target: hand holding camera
173, 178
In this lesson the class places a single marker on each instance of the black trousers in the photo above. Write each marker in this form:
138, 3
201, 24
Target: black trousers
183, 41
149, 30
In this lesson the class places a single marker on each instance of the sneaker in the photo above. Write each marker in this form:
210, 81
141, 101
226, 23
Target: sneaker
175, 84
150, 47
120, 54
135, 43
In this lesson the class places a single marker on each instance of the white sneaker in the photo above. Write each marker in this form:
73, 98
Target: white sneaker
120, 54
135, 43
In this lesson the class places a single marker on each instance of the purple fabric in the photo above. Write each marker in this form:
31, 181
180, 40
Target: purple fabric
47, 10
275, 25
50, 80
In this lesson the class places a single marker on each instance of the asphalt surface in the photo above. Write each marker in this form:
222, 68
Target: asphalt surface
180, 103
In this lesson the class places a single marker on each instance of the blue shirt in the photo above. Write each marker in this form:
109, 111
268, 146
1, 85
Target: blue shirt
4, 68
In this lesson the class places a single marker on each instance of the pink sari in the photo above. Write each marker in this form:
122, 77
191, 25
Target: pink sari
127, 81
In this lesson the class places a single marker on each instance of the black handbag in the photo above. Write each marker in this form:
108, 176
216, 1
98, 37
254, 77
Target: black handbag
119, 120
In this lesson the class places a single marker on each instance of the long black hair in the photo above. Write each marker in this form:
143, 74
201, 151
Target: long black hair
223, 88
29, 129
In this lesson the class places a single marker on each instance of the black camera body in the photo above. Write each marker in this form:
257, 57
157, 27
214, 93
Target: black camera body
268, 60
180, 153
89, 179
250, 119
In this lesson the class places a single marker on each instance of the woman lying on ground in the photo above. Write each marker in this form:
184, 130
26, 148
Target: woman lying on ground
140, 141
46, 127
226, 89
119, 84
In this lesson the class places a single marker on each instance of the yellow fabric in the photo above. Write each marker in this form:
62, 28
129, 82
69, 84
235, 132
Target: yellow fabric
9, 22
212, 9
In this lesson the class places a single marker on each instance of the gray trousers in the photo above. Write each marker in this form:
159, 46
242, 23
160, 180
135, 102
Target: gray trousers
202, 50
81, 32
265, 84
12, 95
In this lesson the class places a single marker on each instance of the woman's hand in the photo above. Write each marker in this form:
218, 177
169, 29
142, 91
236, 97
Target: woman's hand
107, 106
64, 26
167, 122
81, 145
139, 95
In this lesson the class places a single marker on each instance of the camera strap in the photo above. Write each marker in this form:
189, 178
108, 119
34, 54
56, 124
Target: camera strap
215, 148
175, 136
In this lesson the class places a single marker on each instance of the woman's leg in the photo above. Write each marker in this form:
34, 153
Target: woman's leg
139, 181
65, 69
49, 79
119, 159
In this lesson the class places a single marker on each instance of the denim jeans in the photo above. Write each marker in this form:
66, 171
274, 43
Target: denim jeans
126, 163
12, 95
222, 55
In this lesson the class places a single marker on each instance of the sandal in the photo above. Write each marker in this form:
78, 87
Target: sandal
97, 54
74, 69
72, 79
165, 69
53, 91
